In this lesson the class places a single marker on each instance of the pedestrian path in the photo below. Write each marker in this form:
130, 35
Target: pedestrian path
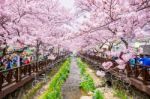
70, 89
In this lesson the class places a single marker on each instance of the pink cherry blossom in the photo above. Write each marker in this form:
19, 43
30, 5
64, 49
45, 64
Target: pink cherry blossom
115, 53
108, 53
97, 26
121, 66
100, 73
128, 56
107, 65
120, 62
140, 50
52, 57
2, 2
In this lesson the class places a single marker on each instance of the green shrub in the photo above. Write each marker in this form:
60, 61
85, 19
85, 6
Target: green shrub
98, 95
87, 83
120, 94
54, 90
31, 93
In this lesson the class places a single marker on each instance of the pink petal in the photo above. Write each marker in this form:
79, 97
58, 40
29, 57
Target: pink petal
122, 67
100, 73
107, 65
119, 61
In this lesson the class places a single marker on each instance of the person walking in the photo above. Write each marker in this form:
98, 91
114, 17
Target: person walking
9, 64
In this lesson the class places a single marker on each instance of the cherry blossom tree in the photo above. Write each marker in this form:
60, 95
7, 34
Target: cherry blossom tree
120, 21
32, 23
121, 18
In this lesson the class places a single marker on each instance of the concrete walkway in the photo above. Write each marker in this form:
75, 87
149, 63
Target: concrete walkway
70, 89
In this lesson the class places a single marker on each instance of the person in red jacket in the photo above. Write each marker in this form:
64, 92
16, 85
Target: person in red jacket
27, 61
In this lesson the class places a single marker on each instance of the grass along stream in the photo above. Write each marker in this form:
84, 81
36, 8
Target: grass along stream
76, 82
87, 83
109, 92
54, 88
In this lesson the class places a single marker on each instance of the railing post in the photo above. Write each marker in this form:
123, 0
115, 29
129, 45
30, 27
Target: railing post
25, 69
46, 62
29, 69
145, 75
40, 65
36, 67
1, 80
9, 76
136, 71
17, 74
128, 68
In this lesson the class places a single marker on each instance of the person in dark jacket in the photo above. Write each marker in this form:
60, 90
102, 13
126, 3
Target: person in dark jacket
21, 61
9, 64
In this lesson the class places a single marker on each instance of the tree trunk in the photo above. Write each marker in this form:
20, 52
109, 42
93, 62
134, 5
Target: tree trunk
125, 42
37, 53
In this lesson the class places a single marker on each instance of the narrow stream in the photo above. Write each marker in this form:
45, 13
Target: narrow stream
70, 89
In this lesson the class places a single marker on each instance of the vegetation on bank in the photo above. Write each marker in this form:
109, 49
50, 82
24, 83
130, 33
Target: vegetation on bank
121, 94
87, 83
121, 90
30, 94
98, 95
54, 90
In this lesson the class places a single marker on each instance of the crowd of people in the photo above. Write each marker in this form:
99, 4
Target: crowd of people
14, 60
143, 60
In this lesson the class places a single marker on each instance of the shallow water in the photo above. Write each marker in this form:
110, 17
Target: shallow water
70, 89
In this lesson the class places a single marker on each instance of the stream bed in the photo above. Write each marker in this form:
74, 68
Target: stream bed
71, 88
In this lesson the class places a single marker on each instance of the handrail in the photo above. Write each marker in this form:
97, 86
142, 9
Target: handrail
17, 74
130, 72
